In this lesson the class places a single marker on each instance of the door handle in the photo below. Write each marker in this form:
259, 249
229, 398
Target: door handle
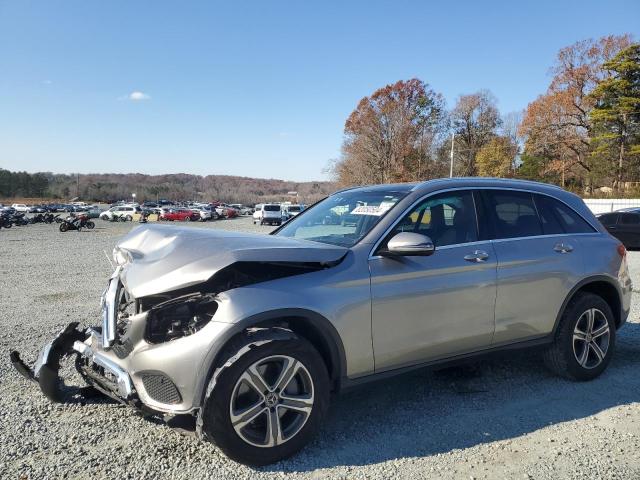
563, 248
477, 256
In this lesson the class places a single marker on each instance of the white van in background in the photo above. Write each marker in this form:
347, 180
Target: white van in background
270, 213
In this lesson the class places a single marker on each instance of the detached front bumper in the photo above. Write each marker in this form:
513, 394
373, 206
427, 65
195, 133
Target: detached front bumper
95, 367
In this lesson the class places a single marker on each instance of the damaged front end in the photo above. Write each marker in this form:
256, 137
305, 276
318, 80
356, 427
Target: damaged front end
97, 369
157, 333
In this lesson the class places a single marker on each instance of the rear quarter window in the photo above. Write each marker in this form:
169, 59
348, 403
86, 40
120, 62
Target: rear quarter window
558, 217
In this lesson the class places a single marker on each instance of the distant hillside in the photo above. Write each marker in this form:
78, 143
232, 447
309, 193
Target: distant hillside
109, 187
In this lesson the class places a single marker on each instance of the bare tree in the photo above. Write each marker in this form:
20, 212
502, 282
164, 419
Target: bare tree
475, 119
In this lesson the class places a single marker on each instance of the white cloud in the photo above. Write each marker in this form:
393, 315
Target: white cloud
137, 96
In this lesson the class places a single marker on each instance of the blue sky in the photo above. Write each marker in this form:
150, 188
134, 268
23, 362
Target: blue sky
254, 88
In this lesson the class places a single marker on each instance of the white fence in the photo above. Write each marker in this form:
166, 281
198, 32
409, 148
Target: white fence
604, 205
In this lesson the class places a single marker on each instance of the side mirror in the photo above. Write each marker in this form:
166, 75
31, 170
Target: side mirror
407, 244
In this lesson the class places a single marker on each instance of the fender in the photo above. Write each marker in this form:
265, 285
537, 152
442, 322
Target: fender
585, 281
330, 338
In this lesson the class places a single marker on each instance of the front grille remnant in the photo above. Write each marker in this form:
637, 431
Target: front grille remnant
160, 388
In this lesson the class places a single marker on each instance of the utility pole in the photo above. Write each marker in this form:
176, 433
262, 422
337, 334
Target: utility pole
453, 137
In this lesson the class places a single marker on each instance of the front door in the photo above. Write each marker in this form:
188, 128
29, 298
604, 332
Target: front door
427, 308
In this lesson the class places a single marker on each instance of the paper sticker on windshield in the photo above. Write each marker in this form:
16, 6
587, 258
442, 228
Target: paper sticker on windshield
370, 210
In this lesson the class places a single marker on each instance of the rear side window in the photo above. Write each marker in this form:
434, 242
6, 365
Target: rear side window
272, 208
557, 217
629, 219
513, 214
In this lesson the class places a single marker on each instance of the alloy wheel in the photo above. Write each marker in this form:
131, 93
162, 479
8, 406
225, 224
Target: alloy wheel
271, 401
591, 337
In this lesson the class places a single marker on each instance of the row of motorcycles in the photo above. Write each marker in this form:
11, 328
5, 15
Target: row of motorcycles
76, 221
7, 220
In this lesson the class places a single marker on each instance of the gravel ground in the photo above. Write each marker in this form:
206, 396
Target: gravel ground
500, 418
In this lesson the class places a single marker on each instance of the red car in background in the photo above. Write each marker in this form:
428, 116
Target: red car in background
225, 211
180, 214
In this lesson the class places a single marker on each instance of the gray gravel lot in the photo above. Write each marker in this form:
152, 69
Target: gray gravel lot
501, 418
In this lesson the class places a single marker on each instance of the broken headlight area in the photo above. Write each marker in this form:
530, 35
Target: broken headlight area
179, 317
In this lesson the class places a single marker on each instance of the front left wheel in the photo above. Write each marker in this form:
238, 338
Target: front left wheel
268, 398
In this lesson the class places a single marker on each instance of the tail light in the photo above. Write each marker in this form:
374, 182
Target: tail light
621, 250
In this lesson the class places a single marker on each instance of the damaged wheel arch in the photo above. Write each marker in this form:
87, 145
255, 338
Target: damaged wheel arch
312, 326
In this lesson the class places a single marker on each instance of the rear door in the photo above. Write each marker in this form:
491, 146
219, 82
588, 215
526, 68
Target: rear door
539, 261
427, 308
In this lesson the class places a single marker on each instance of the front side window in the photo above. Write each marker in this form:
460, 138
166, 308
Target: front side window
513, 214
343, 218
629, 219
447, 218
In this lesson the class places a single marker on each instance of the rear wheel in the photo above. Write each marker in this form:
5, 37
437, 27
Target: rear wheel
585, 339
187, 219
268, 399
90, 225
64, 227
128, 218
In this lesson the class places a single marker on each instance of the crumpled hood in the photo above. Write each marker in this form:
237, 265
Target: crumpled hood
167, 258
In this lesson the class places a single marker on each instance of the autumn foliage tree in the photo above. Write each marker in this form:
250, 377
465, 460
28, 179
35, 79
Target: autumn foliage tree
391, 135
557, 125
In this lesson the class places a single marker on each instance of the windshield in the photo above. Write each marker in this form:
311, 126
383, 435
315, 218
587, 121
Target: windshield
342, 219
294, 209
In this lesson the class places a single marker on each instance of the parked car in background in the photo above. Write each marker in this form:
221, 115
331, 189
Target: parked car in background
124, 211
624, 225
290, 211
20, 207
94, 211
206, 213
226, 211
269, 213
241, 209
179, 214
38, 209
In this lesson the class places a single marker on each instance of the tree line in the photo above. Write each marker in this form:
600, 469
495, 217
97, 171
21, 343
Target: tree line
583, 133
111, 187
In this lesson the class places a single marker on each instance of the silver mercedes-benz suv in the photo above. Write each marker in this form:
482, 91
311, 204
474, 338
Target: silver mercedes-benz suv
249, 335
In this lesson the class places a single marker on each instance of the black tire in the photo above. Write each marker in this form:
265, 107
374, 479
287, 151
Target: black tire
561, 356
128, 218
90, 225
215, 416
64, 227
261, 222
186, 219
